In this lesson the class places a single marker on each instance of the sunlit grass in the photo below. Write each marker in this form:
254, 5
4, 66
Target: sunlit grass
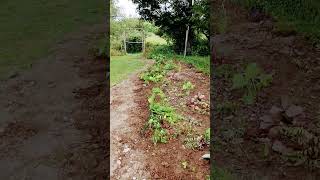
122, 66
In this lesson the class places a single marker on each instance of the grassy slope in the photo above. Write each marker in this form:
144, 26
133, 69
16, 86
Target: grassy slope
122, 66
29, 28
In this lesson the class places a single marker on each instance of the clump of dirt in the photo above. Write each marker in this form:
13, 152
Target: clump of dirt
247, 134
180, 157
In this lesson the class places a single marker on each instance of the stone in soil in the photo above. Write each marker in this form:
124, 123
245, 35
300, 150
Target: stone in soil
279, 147
293, 111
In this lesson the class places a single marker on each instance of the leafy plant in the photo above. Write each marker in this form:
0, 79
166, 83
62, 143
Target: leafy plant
207, 136
252, 81
187, 86
184, 164
160, 112
159, 135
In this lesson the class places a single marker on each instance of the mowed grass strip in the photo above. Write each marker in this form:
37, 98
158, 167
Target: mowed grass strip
30, 28
122, 66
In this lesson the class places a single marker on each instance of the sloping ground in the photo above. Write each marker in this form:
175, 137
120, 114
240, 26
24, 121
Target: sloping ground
45, 132
243, 145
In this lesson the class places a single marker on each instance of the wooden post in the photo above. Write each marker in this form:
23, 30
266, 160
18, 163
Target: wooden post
186, 43
125, 43
143, 42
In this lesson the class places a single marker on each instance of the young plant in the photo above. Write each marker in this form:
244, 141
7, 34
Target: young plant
187, 86
252, 81
207, 136
160, 112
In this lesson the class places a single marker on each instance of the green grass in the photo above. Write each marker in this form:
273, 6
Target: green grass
202, 63
122, 66
30, 28
154, 39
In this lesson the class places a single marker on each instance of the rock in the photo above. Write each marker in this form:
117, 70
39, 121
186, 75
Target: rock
206, 156
299, 120
165, 164
126, 148
264, 140
229, 117
276, 113
285, 102
279, 147
201, 96
274, 132
266, 119
266, 122
265, 125
293, 111
13, 75
119, 162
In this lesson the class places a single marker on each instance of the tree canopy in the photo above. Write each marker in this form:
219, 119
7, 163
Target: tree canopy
174, 16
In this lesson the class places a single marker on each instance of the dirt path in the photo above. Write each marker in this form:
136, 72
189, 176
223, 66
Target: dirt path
40, 136
127, 162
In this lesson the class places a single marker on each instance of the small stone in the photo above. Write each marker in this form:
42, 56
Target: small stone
229, 117
206, 156
119, 162
264, 140
266, 119
276, 113
274, 132
279, 147
165, 164
265, 125
285, 102
293, 111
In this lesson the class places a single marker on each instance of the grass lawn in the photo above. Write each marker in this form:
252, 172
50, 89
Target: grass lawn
122, 66
30, 28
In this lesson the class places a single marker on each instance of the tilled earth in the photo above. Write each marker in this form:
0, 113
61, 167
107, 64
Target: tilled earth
53, 116
277, 136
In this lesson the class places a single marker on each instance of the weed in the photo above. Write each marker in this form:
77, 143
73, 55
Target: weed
159, 135
227, 107
158, 71
252, 80
160, 112
207, 136
187, 86
224, 71
184, 164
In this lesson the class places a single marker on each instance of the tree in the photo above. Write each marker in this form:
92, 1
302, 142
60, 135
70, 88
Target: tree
173, 17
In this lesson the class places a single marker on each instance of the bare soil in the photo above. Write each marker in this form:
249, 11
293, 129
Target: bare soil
54, 116
242, 146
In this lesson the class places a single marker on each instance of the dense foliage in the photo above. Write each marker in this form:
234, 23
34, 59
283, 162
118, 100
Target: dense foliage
173, 18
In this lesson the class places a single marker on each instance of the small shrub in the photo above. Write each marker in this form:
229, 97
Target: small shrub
187, 86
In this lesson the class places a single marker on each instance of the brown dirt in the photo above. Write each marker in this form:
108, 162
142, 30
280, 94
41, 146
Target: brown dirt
295, 62
54, 116
164, 160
